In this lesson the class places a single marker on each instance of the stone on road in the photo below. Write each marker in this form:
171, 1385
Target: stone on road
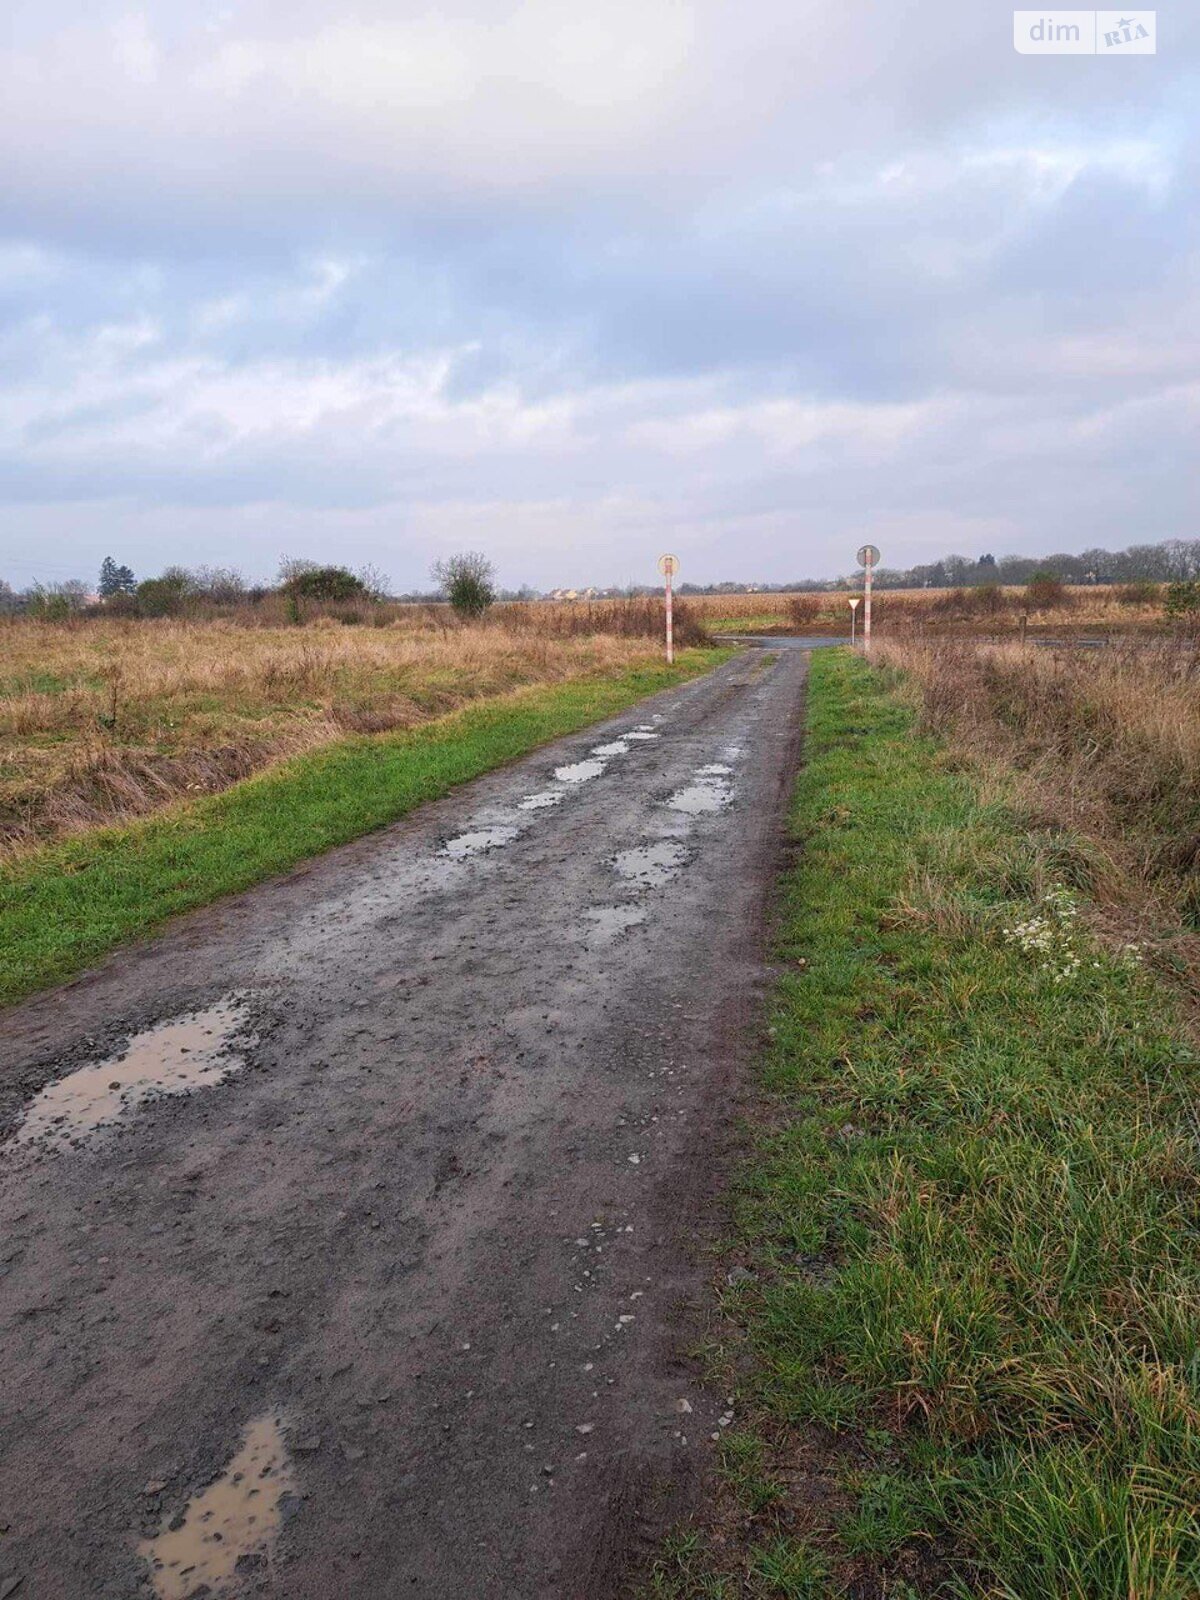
348, 1228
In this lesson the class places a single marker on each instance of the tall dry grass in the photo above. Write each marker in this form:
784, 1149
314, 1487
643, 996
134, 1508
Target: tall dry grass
110, 720
985, 609
1102, 744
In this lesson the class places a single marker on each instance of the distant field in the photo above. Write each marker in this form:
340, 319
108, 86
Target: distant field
102, 721
979, 610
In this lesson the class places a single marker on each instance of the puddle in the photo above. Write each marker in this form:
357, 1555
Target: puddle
618, 747
579, 772
473, 844
700, 799
710, 792
235, 1520
535, 802
640, 733
610, 921
651, 865
173, 1058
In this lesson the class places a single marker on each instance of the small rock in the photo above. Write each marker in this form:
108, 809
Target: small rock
635, 1160
155, 1487
740, 1275
584, 1427
683, 1407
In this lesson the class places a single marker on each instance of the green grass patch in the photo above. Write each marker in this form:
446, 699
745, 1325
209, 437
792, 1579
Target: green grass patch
68, 904
975, 1220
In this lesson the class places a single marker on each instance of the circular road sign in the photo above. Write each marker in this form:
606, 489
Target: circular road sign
868, 556
668, 565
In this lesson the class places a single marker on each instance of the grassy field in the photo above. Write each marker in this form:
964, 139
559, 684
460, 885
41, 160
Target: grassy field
1105, 744
964, 1326
66, 904
984, 610
104, 720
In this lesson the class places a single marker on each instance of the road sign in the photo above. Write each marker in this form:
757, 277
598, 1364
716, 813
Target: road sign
854, 599
868, 556
668, 566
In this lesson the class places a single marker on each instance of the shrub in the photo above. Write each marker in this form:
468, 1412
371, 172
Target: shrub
989, 599
804, 608
1045, 592
325, 583
467, 581
1140, 593
1182, 598
45, 605
164, 596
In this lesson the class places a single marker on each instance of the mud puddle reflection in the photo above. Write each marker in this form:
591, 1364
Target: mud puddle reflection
711, 792
651, 865
192, 1052
579, 771
474, 844
229, 1529
537, 802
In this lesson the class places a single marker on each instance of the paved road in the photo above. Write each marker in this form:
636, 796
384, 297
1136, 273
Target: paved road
407, 1272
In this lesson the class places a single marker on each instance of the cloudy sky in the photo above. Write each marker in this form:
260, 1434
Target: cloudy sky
573, 284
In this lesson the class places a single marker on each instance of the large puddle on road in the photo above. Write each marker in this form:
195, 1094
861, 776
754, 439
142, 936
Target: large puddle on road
617, 747
651, 865
474, 844
579, 771
192, 1052
229, 1529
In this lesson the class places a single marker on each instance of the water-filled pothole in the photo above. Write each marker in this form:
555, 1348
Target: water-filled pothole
651, 865
475, 843
228, 1530
192, 1052
536, 802
617, 747
609, 921
711, 792
579, 771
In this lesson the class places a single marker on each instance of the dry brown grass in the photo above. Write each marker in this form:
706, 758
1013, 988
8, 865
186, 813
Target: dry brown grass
985, 610
105, 720
1103, 745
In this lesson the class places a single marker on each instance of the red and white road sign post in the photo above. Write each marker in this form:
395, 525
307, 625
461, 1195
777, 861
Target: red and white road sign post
868, 556
669, 566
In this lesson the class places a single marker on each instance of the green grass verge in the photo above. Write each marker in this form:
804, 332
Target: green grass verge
66, 905
973, 1330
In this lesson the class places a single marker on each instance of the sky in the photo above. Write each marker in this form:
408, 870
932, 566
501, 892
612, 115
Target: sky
376, 282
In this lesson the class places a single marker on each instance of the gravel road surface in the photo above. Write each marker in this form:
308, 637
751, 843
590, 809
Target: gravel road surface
348, 1229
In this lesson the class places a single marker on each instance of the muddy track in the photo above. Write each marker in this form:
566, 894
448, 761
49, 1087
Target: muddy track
415, 1253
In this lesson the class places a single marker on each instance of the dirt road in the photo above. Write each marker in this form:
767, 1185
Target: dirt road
407, 1271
